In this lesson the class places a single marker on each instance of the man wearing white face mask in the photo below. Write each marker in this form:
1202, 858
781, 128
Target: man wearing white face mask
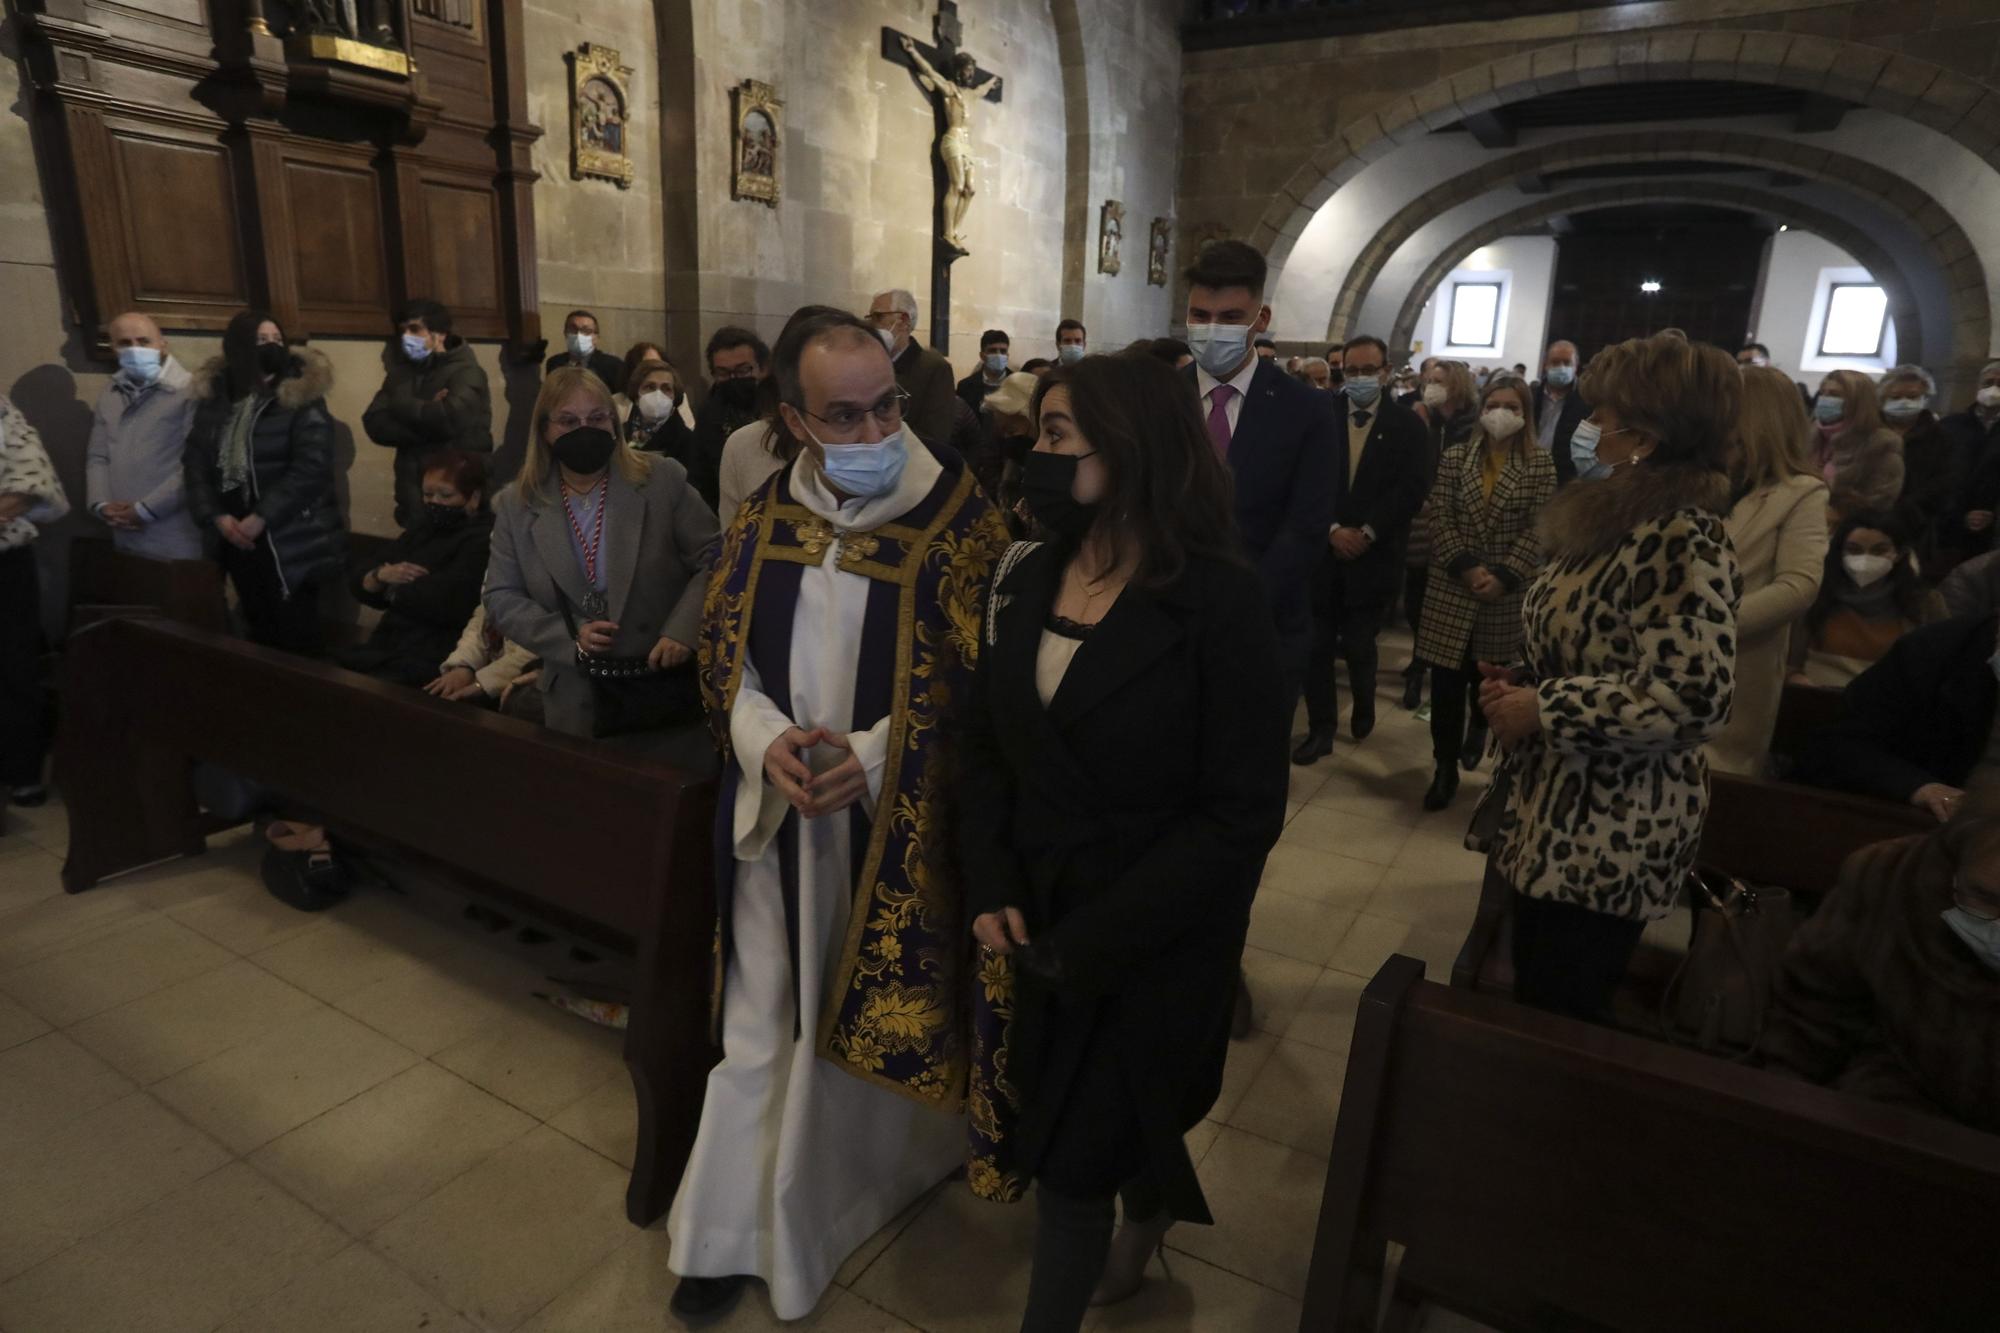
1559, 407
580, 338
921, 372
434, 396
133, 463
1278, 438
834, 651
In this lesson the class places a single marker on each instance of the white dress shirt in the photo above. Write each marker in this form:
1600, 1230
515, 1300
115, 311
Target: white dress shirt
1205, 385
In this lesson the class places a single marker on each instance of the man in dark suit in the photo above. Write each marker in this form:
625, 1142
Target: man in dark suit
1277, 437
920, 371
580, 349
1381, 484
1559, 408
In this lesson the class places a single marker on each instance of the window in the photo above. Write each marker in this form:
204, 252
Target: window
1475, 314
1855, 316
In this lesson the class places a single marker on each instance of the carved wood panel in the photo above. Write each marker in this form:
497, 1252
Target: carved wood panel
172, 198
340, 273
451, 250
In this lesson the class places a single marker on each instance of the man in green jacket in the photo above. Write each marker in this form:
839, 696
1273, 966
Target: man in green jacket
434, 397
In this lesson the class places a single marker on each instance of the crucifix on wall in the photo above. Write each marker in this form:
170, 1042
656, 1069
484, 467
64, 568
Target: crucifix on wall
953, 81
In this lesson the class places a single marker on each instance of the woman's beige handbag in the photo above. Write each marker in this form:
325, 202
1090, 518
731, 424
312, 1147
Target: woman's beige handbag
1718, 997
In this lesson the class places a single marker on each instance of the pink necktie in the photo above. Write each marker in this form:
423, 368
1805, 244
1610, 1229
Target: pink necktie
1218, 418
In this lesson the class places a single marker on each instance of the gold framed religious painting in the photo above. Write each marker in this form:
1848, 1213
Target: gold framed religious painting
1157, 248
600, 115
759, 126
1110, 237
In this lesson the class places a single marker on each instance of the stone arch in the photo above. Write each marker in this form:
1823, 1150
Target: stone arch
1962, 108
1970, 314
1902, 311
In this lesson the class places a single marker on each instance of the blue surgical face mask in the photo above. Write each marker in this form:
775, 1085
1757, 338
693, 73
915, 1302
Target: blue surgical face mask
140, 364
1982, 937
995, 362
865, 470
1218, 348
581, 344
416, 347
1902, 409
1560, 376
1363, 393
1583, 452
1829, 408
1070, 352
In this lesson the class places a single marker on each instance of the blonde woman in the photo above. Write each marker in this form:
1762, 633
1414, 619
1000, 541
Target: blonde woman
1450, 409
1858, 456
1778, 527
1484, 549
601, 537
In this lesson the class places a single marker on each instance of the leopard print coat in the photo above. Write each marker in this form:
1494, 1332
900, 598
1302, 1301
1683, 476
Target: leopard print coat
1631, 633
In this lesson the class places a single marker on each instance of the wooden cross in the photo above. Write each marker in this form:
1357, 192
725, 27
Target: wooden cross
940, 55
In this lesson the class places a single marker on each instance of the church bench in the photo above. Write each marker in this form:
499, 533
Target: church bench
611, 845
1547, 1174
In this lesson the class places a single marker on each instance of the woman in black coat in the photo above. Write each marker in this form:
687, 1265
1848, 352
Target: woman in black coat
259, 474
1124, 778
427, 583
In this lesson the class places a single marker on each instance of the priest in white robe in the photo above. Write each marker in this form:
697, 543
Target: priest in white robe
840, 631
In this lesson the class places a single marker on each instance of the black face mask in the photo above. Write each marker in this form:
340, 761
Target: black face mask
272, 358
738, 395
584, 450
1048, 484
446, 518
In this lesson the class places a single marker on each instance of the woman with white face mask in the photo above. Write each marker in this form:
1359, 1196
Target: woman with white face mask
653, 421
1484, 549
1869, 597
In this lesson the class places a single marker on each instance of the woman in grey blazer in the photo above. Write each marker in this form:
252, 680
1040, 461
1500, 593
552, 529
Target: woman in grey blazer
613, 537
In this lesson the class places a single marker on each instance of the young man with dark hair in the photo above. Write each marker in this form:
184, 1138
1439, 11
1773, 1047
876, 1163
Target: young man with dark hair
836, 618
580, 349
738, 362
1382, 483
993, 346
1037, 366
1280, 442
1267, 350
1070, 339
434, 395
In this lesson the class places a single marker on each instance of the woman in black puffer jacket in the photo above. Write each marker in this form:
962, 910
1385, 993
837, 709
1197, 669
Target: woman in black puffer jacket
259, 472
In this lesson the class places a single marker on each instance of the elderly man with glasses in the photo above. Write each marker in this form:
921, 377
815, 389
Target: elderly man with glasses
837, 643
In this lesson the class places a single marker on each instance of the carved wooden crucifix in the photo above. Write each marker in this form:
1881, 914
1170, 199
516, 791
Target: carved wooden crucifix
953, 81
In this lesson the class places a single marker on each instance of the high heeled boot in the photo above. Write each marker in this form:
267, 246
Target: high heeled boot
1131, 1249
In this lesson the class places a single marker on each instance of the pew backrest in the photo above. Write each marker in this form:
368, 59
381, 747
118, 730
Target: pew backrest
1577, 1170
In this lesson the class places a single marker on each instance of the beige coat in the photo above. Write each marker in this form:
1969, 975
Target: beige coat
1780, 537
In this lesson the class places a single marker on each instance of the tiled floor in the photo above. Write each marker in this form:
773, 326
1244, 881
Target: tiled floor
219, 1113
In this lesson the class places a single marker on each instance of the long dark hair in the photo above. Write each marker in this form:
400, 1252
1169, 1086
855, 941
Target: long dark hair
239, 351
1903, 579
1168, 497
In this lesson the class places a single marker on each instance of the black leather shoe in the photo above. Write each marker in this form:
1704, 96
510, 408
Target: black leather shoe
1413, 690
1317, 745
29, 797
1362, 722
701, 1300
1443, 787
1474, 750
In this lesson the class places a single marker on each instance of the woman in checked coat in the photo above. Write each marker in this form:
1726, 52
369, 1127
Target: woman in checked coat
1484, 550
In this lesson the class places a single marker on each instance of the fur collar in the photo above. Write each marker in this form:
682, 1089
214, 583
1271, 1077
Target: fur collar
1589, 518
311, 379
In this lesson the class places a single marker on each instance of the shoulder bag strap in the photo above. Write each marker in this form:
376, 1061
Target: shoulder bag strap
1009, 558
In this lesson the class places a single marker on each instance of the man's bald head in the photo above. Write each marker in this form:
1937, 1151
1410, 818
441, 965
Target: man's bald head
1561, 350
133, 329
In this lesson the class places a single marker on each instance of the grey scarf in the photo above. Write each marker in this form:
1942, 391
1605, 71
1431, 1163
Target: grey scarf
236, 442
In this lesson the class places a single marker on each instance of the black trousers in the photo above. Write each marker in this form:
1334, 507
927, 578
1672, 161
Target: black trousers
1345, 627
24, 713
1568, 959
1453, 695
1415, 581
275, 620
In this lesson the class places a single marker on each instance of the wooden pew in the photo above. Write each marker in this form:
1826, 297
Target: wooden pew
104, 581
1546, 1174
501, 805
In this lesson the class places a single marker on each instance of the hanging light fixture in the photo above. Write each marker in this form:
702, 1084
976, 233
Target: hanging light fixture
1649, 286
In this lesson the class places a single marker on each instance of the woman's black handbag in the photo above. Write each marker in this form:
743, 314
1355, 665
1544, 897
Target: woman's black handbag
628, 694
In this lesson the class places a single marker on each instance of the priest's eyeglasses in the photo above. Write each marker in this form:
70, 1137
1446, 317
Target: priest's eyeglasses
888, 413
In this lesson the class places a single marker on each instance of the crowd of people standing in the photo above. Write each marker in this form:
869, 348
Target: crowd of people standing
931, 623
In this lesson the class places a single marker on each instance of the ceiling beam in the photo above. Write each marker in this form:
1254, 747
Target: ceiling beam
1785, 180
1819, 113
1493, 129
1532, 184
